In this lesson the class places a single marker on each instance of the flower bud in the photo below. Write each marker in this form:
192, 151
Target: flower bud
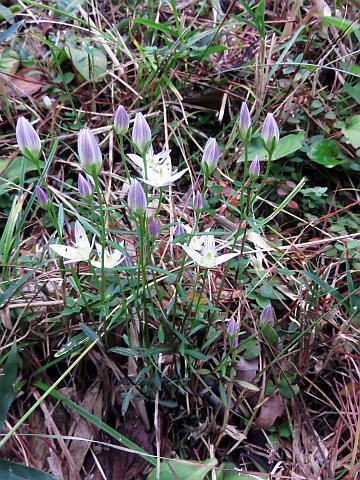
41, 196
210, 156
232, 331
126, 261
47, 101
27, 138
179, 229
270, 132
244, 121
267, 315
141, 133
121, 120
89, 152
198, 201
153, 228
136, 198
84, 186
254, 169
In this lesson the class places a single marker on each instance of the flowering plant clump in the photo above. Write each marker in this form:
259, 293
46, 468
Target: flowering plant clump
161, 262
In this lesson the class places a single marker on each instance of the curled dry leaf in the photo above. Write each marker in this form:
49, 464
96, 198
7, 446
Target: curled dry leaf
270, 411
246, 370
25, 83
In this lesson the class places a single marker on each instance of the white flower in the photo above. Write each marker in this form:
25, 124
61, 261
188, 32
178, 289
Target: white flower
158, 171
111, 259
80, 252
197, 241
208, 257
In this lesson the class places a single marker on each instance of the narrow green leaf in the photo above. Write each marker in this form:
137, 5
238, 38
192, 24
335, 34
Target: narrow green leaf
7, 382
10, 31
183, 471
12, 289
156, 26
328, 289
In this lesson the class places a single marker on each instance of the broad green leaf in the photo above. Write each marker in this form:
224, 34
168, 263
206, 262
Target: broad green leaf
11, 170
7, 382
183, 471
89, 62
9, 61
286, 146
352, 131
15, 471
287, 388
353, 90
325, 152
269, 333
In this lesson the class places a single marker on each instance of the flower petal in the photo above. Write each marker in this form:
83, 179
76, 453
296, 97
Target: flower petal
139, 162
81, 239
224, 258
176, 176
70, 253
193, 254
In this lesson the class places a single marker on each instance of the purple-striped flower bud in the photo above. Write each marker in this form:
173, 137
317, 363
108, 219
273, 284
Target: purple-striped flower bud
27, 138
136, 198
179, 229
126, 261
198, 201
254, 169
41, 196
267, 315
84, 186
270, 132
89, 152
141, 133
121, 120
244, 121
210, 156
232, 331
153, 228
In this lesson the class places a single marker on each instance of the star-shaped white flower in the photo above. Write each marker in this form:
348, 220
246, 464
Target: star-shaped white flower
208, 258
158, 172
111, 259
81, 250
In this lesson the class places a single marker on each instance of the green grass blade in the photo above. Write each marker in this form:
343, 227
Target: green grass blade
7, 382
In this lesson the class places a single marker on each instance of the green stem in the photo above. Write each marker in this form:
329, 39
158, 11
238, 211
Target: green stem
102, 237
